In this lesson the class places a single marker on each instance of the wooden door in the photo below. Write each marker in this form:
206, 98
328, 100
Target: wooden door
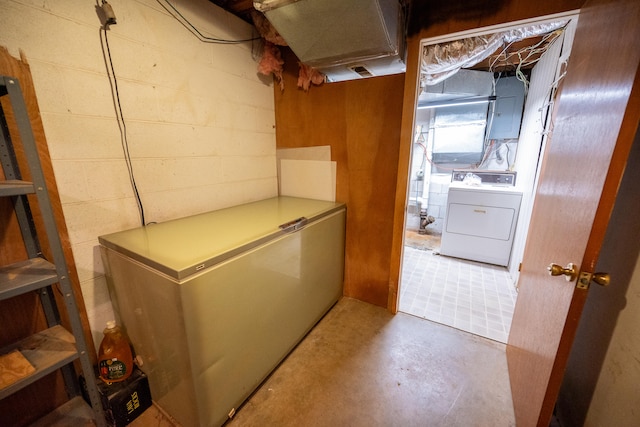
595, 120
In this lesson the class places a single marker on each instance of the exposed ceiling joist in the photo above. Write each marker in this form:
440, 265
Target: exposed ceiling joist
240, 8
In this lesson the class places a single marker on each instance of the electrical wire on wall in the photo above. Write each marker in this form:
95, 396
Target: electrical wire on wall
109, 18
105, 11
175, 13
421, 142
526, 56
488, 144
256, 49
552, 92
493, 152
425, 145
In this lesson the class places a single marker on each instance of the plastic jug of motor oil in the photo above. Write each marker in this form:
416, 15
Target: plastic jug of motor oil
115, 359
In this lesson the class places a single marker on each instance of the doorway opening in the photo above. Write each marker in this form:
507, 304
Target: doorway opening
480, 127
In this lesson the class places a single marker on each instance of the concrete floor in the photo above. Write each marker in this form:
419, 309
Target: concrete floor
428, 241
361, 366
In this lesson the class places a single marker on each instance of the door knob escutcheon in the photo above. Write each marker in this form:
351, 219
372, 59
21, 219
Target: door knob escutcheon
602, 279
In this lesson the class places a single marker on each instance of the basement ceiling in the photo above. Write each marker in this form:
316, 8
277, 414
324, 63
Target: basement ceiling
525, 52
528, 50
240, 8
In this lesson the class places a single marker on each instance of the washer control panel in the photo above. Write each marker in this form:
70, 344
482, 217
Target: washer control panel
489, 177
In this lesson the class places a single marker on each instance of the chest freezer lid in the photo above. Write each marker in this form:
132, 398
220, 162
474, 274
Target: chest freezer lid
182, 247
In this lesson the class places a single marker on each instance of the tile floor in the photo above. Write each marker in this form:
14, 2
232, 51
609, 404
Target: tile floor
468, 295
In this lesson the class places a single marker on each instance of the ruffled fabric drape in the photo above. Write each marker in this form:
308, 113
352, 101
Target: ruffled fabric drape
441, 61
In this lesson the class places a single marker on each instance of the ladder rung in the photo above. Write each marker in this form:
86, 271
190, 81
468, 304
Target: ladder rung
46, 351
24, 276
14, 187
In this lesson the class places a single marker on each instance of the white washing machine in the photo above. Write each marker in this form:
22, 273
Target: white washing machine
481, 221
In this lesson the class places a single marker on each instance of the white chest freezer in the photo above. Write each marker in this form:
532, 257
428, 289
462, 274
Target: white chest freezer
213, 302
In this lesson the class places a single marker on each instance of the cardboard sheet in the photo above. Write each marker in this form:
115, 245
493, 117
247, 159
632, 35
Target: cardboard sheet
321, 152
310, 179
13, 367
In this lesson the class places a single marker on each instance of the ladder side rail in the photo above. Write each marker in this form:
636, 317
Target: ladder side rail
52, 314
30, 237
20, 203
24, 216
44, 201
39, 181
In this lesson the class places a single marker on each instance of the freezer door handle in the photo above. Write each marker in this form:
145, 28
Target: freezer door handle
294, 225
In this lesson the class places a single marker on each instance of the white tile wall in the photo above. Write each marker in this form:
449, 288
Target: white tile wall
200, 121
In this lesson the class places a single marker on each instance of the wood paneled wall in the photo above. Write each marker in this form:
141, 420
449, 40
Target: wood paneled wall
368, 124
22, 316
360, 120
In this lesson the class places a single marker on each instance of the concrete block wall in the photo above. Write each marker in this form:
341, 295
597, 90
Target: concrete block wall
199, 119
436, 199
437, 206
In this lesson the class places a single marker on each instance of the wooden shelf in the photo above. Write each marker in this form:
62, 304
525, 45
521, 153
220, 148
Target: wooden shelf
25, 276
14, 187
47, 351
75, 412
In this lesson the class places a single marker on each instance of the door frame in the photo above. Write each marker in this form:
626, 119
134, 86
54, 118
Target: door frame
406, 144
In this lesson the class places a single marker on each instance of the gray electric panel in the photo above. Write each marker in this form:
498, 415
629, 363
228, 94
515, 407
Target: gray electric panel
508, 109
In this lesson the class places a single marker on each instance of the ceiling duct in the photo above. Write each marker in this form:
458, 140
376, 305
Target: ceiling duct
344, 40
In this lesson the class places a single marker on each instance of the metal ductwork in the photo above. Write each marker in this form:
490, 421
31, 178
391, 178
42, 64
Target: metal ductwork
344, 40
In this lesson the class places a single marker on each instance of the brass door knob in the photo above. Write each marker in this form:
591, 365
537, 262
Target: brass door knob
570, 272
602, 279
